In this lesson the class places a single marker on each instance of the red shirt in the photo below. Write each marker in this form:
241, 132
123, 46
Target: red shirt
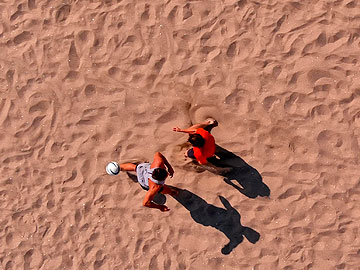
208, 150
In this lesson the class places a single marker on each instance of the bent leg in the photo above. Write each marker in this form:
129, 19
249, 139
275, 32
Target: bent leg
208, 125
127, 167
211, 124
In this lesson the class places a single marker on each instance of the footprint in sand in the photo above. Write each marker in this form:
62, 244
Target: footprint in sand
12, 240
24, 36
10, 76
295, 104
59, 232
16, 15
231, 51
89, 90
322, 90
321, 40
172, 14
239, 100
72, 76
9, 265
41, 106
329, 140
83, 36
303, 147
187, 11
320, 113
167, 117
31, 4
245, 47
159, 64
32, 259
63, 13
145, 15
351, 4
74, 60
337, 36
269, 102
316, 74
325, 215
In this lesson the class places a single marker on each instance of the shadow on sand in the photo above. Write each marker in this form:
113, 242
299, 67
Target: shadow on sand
249, 180
225, 220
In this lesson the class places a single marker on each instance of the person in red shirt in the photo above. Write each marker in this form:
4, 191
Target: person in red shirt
201, 139
203, 144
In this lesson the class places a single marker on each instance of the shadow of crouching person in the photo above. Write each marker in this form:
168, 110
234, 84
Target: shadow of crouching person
248, 178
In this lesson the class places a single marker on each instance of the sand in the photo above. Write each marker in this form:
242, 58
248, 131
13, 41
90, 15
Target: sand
83, 83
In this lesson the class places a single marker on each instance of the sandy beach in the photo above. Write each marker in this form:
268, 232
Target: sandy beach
83, 83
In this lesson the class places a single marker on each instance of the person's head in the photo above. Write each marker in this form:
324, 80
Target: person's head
196, 140
159, 174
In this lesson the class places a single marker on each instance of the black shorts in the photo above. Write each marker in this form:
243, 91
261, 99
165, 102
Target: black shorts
190, 153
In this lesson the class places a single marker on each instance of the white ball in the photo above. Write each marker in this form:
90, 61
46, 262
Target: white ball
112, 168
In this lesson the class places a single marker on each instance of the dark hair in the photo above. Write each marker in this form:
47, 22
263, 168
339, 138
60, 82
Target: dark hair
159, 174
196, 140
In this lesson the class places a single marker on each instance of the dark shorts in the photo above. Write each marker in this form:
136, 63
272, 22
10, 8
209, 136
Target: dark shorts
190, 153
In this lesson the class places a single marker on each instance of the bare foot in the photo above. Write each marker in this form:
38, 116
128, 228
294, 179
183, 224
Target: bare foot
212, 121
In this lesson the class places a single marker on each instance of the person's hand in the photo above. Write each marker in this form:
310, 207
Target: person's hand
176, 129
164, 208
171, 172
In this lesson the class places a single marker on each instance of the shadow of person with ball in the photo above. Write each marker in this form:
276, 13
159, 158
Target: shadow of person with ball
226, 220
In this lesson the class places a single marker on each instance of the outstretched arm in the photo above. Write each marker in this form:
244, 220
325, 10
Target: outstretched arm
189, 130
209, 122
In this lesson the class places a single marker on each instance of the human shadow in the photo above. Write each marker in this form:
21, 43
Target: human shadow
225, 220
249, 180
